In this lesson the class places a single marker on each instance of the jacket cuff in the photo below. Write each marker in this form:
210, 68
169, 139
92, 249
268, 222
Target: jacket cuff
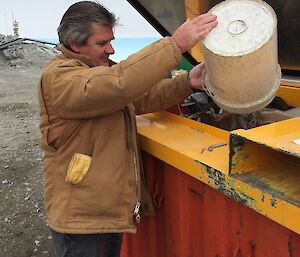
177, 51
186, 89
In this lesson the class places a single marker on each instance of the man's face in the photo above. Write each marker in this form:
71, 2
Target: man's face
98, 46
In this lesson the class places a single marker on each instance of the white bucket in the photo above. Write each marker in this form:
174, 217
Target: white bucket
241, 59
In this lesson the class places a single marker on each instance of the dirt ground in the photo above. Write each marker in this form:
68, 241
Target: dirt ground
23, 228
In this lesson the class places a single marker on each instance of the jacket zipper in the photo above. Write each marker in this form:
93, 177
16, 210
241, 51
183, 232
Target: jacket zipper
136, 211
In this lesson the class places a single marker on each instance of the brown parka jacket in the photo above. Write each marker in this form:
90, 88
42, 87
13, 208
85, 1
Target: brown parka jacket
91, 111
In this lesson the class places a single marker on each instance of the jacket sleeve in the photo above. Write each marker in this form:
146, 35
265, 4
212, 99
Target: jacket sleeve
81, 92
163, 95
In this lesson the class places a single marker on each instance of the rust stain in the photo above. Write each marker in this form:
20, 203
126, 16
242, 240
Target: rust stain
236, 153
227, 187
273, 202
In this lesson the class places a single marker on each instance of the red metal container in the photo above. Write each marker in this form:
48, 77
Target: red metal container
194, 220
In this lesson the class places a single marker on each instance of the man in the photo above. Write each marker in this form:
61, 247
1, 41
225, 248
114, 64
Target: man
87, 111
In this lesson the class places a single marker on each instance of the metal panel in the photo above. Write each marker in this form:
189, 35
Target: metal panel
169, 13
194, 220
290, 93
278, 136
183, 144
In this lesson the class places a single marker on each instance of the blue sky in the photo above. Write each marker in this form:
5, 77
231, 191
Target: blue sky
40, 18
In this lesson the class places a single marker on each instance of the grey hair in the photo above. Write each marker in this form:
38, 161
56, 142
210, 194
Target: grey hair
76, 22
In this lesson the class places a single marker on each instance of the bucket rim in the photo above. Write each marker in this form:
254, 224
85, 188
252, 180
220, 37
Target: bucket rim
244, 108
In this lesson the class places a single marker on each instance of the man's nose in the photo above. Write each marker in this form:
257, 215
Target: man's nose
109, 49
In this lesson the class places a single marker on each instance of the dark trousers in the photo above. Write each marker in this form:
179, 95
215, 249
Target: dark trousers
94, 245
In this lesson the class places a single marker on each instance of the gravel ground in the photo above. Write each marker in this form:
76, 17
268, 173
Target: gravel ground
23, 227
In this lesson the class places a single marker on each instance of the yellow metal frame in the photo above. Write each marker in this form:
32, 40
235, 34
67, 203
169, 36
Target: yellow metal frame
270, 189
194, 8
290, 93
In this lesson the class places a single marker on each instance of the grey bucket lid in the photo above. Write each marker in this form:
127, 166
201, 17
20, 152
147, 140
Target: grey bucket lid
243, 27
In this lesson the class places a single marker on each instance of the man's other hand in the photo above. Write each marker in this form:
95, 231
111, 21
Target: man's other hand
196, 76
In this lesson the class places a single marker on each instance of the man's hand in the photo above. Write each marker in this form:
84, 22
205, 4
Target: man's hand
192, 31
196, 76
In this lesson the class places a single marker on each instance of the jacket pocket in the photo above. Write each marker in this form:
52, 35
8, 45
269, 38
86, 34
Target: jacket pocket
78, 168
103, 193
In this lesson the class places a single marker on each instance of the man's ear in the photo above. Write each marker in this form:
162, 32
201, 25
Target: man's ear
74, 47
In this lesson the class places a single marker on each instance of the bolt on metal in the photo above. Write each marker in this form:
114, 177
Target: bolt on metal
212, 147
